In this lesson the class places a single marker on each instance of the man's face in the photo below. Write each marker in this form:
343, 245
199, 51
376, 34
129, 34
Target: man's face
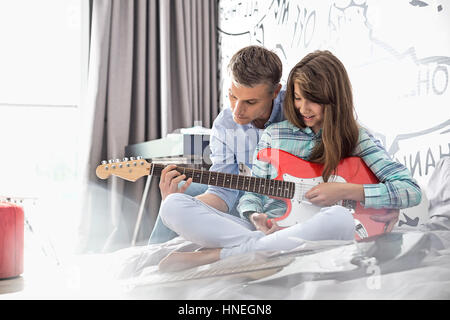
251, 104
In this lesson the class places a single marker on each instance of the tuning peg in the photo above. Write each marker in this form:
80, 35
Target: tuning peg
125, 159
110, 161
138, 158
132, 158
104, 162
117, 160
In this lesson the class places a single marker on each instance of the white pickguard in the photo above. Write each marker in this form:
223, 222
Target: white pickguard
302, 209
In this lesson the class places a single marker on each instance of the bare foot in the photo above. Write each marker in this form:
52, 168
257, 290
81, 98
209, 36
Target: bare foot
177, 261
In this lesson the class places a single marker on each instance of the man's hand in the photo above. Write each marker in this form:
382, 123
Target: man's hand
390, 218
170, 178
259, 221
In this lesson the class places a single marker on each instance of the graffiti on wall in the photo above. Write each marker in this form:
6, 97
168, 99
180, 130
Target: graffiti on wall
397, 54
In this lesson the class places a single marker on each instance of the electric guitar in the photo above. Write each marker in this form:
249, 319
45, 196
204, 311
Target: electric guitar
295, 177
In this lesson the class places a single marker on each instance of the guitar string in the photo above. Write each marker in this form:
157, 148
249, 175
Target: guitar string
281, 188
283, 191
277, 188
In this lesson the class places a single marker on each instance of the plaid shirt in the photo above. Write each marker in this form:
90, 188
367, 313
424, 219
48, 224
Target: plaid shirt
397, 188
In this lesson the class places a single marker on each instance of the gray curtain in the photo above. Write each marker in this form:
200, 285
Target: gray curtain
152, 69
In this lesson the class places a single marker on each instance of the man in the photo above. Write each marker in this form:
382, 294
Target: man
256, 101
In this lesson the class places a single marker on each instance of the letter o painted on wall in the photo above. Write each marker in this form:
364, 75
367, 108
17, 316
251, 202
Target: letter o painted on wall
438, 78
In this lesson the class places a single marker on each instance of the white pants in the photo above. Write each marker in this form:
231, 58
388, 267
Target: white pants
197, 222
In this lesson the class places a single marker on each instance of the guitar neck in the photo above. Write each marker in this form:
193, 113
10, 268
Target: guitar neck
273, 188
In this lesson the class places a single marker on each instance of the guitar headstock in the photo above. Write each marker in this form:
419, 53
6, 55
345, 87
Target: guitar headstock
128, 169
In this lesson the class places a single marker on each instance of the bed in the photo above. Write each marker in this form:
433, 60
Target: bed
411, 262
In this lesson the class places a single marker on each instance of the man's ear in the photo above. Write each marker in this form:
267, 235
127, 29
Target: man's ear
277, 91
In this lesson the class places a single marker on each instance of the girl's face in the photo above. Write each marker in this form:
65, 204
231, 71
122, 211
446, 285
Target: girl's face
311, 112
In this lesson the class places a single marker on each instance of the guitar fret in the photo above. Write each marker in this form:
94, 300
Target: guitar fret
277, 183
259, 189
293, 189
286, 190
259, 185
280, 188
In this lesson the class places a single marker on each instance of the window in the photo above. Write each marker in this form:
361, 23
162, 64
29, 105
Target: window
41, 71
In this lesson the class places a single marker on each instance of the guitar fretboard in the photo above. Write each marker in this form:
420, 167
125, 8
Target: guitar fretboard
273, 188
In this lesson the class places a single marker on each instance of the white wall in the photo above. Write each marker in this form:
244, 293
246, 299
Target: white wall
397, 54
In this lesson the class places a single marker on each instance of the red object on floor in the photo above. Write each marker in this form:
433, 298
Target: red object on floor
11, 240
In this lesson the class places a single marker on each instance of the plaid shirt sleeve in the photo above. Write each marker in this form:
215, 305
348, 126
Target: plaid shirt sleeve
397, 188
252, 201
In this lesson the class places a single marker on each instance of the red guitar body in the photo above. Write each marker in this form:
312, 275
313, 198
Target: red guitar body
351, 170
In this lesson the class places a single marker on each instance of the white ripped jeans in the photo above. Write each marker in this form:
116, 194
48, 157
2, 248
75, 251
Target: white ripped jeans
199, 223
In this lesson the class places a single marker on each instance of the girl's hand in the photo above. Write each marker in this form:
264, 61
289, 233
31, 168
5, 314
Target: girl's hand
259, 220
325, 194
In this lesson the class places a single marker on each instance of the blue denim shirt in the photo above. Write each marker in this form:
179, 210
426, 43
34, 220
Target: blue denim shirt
232, 144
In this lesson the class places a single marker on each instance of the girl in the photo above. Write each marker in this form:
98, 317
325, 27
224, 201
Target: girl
320, 127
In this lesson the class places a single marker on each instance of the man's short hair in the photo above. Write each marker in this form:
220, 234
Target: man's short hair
255, 65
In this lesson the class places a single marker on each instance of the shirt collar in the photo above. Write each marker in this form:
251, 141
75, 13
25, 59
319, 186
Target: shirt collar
308, 131
277, 112
274, 116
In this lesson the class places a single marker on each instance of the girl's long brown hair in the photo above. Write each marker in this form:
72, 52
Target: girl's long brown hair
322, 79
